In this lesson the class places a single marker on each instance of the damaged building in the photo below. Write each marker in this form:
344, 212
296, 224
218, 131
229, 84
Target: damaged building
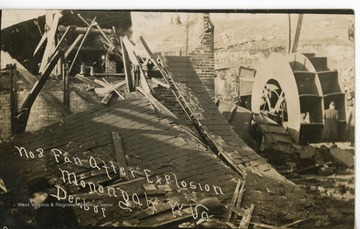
130, 137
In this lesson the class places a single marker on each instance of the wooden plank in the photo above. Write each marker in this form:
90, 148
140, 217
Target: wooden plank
66, 92
81, 44
42, 40
13, 96
152, 57
157, 104
120, 154
32, 80
108, 74
90, 82
112, 87
50, 45
297, 34
239, 198
245, 221
101, 83
143, 80
233, 202
106, 98
108, 87
132, 56
127, 68
131, 50
72, 46
289, 34
159, 82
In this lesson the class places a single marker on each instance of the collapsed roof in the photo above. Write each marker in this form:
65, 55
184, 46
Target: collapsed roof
20, 40
167, 162
137, 159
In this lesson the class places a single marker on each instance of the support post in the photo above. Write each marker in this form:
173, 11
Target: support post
65, 73
297, 33
13, 97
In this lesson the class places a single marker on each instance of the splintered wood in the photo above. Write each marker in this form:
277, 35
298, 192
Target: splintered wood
234, 209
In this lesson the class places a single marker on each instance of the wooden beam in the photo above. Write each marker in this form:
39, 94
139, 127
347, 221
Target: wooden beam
24, 112
66, 92
108, 74
120, 154
143, 81
297, 33
13, 96
87, 97
81, 44
108, 88
245, 221
289, 35
152, 57
130, 49
159, 82
82, 30
239, 198
106, 98
57, 104
127, 68
233, 202
112, 87
72, 46
156, 103
133, 58
50, 45
88, 81
45, 36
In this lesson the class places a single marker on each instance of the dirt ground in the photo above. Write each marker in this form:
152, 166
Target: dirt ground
247, 40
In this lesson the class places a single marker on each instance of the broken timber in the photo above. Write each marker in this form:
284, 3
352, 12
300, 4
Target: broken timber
157, 104
127, 69
120, 154
81, 44
58, 105
23, 114
235, 207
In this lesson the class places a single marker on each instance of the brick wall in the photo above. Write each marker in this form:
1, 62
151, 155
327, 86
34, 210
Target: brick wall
167, 98
5, 108
201, 50
110, 65
42, 112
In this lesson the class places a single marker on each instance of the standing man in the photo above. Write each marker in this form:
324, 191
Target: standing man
351, 122
48, 214
331, 118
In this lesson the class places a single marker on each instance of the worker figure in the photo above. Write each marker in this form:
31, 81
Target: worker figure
331, 118
49, 213
350, 122
351, 31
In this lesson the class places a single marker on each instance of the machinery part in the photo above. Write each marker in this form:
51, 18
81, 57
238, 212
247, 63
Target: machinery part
294, 90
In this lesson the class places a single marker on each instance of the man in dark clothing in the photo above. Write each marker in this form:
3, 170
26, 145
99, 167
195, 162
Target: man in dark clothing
351, 122
49, 213
331, 118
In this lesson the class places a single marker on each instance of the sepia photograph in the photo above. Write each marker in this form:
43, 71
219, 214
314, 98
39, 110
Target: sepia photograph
177, 118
